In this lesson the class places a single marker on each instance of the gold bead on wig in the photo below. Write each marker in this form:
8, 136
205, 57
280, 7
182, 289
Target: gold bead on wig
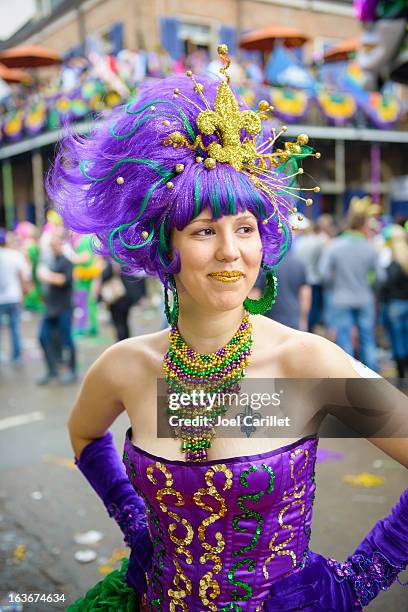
222, 49
169, 185
210, 163
176, 137
120, 180
179, 168
263, 105
144, 234
303, 139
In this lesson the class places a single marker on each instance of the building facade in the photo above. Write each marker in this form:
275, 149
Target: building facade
180, 27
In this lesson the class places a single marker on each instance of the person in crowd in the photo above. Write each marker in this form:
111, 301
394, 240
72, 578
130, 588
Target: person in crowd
120, 292
86, 270
394, 297
131, 66
57, 291
28, 235
348, 266
53, 221
14, 279
309, 247
292, 304
253, 71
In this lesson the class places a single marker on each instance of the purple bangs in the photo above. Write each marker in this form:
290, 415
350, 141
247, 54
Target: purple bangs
113, 182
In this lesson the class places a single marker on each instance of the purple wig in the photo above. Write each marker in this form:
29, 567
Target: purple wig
83, 182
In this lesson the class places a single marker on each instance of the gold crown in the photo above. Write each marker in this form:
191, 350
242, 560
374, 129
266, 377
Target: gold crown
259, 163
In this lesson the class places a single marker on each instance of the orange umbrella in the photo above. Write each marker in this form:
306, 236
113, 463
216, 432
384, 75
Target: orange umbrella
29, 56
341, 51
265, 38
14, 76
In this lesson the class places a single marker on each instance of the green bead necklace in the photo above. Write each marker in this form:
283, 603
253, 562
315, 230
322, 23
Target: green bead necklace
186, 371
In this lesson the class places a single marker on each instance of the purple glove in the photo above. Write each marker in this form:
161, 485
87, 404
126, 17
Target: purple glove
311, 588
327, 585
377, 561
100, 464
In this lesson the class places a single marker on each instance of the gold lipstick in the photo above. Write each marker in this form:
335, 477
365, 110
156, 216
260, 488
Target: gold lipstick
227, 276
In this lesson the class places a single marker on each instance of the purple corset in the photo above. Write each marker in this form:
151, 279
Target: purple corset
224, 530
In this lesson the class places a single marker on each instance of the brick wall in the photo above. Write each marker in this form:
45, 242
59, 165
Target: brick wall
141, 20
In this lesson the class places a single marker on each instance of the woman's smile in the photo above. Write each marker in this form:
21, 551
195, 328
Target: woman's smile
227, 276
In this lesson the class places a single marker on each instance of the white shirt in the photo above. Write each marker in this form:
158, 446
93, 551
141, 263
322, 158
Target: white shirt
12, 265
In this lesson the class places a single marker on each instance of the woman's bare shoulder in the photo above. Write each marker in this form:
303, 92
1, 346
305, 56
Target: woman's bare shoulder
137, 354
305, 355
271, 336
311, 356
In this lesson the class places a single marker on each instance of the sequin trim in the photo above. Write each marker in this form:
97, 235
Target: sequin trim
368, 576
157, 561
207, 581
246, 590
299, 488
129, 518
181, 582
308, 530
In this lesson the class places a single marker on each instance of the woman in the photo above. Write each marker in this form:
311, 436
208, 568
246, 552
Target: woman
394, 295
184, 186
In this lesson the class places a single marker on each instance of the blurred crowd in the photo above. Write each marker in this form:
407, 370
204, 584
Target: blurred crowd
120, 74
57, 275
347, 281
82, 87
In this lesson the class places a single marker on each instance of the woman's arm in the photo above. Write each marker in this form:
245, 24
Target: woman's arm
97, 406
383, 553
98, 403
354, 394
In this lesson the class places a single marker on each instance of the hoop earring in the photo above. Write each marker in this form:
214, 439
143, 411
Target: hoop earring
171, 313
267, 299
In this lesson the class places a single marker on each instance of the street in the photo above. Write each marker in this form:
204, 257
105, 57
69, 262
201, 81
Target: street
45, 501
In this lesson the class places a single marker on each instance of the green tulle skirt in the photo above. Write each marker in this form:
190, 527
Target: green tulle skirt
111, 594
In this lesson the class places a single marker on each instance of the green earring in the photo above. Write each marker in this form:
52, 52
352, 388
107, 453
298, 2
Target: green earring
267, 299
171, 313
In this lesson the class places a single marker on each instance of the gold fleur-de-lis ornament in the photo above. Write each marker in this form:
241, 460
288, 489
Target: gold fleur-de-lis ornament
226, 121
229, 121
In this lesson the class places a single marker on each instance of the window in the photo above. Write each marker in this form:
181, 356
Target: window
195, 37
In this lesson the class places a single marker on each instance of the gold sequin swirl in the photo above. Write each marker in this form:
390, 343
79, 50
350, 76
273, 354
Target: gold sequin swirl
297, 493
208, 581
179, 593
299, 488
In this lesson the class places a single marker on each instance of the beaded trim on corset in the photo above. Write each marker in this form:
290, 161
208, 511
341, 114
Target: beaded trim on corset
224, 530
